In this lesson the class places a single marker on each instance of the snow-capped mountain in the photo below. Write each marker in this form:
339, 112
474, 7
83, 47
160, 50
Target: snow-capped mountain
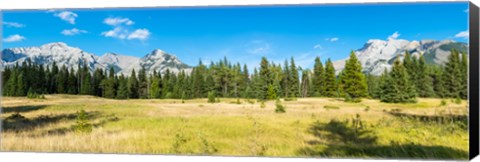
376, 55
63, 54
117, 61
58, 52
159, 61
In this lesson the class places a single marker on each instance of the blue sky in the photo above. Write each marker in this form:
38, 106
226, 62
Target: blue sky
242, 34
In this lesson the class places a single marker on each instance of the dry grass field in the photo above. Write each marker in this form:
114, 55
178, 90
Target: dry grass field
310, 127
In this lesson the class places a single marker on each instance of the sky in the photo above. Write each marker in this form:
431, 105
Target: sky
241, 33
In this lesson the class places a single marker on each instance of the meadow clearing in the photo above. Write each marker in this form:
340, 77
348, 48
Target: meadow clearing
310, 127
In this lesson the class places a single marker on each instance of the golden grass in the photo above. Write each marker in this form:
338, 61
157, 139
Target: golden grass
152, 126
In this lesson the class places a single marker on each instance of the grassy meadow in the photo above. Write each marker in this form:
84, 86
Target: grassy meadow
310, 127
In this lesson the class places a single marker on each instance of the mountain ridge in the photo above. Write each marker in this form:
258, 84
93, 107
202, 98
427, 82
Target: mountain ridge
65, 55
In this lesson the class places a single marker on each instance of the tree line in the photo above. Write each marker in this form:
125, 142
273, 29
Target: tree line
407, 80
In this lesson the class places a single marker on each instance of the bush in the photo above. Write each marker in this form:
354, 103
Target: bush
330, 107
367, 108
82, 124
350, 99
34, 95
279, 107
458, 100
211, 97
250, 101
443, 103
290, 99
262, 104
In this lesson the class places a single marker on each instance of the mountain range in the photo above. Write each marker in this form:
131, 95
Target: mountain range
375, 56
64, 55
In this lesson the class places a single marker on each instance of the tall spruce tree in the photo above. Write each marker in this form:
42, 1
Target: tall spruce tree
452, 75
396, 87
294, 79
318, 78
424, 82
353, 80
330, 80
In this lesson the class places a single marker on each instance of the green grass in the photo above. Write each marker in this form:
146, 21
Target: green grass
197, 127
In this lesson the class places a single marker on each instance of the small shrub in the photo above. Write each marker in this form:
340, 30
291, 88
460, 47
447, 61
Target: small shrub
348, 98
290, 99
200, 105
82, 124
211, 97
180, 140
279, 107
367, 108
262, 104
458, 100
250, 101
443, 102
34, 95
330, 107
238, 101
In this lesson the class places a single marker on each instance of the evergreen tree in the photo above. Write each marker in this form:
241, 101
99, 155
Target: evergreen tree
424, 82
264, 79
293, 80
353, 80
452, 75
142, 84
330, 80
122, 92
397, 87
133, 85
318, 78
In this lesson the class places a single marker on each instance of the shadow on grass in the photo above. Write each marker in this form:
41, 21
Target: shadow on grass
16, 122
22, 109
347, 139
459, 120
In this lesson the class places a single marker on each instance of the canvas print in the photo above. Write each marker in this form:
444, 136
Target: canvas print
372, 80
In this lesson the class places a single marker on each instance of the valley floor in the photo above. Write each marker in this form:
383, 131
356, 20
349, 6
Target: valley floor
310, 127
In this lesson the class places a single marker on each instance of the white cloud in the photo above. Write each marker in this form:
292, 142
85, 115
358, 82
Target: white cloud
14, 38
118, 21
333, 39
73, 31
394, 35
118, 32
140, 34
258, 47
13, 24
462, 34
67, 16
317, 46
121, 28
466, 10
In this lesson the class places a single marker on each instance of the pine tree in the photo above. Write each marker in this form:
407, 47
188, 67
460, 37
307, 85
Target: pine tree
142, 84
464, 76
330, 80
264, 79
293, 80
133, 85
424, 83
353, 80
318, 78
305, 84
397, 87
155, 91
122, 92
20, 89
452, 75
108, 85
